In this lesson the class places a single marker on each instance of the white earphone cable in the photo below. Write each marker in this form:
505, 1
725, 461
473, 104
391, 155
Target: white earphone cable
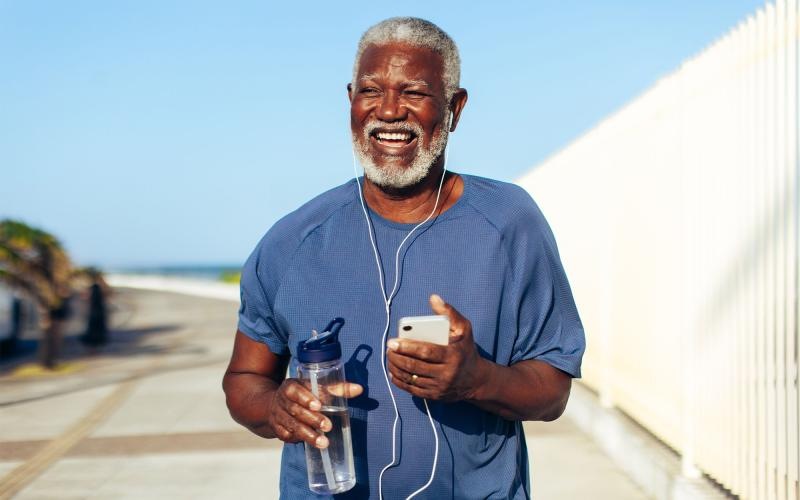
388, 303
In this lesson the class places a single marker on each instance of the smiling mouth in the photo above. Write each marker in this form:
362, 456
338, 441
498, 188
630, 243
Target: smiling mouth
393, 138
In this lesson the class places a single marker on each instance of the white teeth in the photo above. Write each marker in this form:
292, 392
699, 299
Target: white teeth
393, 136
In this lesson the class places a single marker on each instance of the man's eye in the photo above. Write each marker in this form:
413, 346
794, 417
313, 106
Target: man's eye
415, 94
368, 91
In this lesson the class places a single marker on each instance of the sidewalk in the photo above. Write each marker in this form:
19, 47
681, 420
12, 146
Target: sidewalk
147, 419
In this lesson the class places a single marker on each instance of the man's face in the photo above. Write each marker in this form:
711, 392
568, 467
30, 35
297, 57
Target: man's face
398, 113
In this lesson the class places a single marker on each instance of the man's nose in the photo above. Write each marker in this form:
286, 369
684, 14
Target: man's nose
390, 108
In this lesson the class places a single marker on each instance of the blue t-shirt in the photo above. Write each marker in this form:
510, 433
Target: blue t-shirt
491, 255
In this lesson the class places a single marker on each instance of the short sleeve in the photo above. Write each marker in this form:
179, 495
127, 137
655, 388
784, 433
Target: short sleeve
548, 325
257, 292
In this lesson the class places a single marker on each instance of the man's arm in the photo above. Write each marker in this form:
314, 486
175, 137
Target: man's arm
261, 398
527, 390
253, 375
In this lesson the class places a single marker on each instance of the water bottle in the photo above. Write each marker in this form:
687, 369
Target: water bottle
320, 368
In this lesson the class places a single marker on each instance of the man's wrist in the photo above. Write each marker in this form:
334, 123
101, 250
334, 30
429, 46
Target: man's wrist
484, 381
263, 425
270, 407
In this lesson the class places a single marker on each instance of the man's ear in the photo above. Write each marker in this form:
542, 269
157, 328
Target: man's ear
457, 104
350, 92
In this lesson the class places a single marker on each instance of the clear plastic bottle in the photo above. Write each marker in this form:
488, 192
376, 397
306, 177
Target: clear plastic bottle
330, 470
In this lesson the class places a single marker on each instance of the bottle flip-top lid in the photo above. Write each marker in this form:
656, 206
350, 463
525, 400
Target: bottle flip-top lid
323, 347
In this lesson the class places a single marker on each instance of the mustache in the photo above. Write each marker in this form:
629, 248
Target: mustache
374, 125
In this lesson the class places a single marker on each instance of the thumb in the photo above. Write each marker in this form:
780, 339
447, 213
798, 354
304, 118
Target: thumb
459, 326
439, 306
346, 390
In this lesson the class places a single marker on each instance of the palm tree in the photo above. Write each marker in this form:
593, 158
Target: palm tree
34, 262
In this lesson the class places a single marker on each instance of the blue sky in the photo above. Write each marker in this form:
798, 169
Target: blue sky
150, 132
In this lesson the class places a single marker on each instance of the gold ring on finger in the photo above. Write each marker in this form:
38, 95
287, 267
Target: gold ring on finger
414, 378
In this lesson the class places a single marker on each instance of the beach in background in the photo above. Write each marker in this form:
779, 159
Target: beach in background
211, 281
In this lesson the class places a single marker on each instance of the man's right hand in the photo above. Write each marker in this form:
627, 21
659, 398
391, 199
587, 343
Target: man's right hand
261, 398
295, 415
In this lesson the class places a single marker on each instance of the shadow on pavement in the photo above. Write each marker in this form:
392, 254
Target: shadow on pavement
122, 342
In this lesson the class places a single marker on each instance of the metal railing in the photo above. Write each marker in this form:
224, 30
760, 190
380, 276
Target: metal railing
677, 221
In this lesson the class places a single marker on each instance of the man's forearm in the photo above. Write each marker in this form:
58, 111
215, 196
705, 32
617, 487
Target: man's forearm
528, 390
249, 398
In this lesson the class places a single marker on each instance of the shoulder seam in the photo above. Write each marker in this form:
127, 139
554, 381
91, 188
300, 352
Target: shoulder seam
302, 242
496, 228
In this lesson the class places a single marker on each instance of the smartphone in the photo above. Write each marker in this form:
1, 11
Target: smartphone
433, 329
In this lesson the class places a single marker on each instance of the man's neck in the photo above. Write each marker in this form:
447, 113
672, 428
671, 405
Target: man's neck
415, 203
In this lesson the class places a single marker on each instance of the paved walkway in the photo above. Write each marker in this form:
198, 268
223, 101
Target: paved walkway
146, 419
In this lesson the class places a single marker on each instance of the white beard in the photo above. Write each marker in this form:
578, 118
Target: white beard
397, 177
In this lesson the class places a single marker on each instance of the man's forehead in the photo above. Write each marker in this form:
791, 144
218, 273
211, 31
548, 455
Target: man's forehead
425, 65
376, 76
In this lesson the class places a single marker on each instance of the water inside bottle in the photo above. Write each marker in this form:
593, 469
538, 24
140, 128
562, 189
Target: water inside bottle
340, 452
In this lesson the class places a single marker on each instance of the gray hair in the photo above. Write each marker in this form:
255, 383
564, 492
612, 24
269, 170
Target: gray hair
419, 33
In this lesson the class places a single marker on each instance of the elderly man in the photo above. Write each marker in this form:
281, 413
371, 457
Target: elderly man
413, 238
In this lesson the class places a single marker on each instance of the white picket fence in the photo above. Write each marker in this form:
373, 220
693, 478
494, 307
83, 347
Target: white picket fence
677, 221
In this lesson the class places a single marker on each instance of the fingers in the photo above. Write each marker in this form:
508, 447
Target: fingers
296, 432
308, 417
291, 430
285, 434
416, 377
295, 416
410, 378
414, 389
303, 406
431, 353
412, 365
298, 393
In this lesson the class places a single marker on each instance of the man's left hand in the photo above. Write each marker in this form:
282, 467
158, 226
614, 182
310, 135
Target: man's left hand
437, 372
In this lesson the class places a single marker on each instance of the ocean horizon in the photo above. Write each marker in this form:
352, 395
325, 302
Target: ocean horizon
209, 272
